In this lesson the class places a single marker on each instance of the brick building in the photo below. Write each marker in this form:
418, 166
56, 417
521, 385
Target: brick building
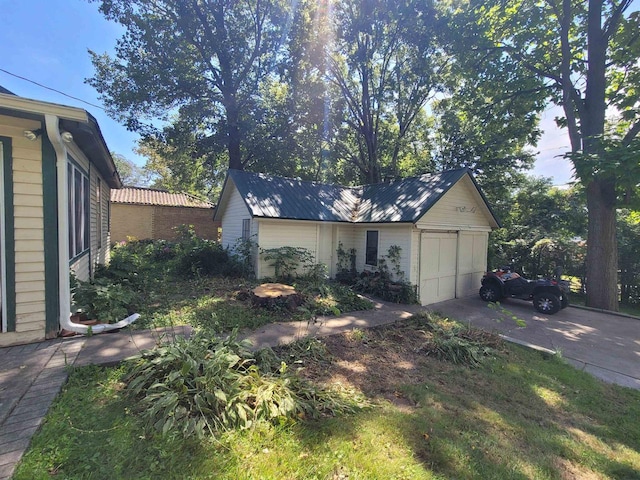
144, 213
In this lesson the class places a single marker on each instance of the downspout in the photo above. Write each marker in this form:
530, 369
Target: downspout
53, 133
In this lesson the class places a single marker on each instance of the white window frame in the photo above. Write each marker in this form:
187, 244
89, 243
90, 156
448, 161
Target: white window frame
73, 170
3, 283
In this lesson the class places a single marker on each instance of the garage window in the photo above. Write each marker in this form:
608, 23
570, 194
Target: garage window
246, 229
371, 251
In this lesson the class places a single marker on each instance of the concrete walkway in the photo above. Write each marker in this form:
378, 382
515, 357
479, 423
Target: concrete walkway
32, 375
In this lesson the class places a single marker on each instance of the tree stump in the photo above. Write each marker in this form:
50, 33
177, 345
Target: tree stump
276, 295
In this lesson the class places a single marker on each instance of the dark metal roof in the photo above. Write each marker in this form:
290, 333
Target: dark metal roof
280, 197
403, 200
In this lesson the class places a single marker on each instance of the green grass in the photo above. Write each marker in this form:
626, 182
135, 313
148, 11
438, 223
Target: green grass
631, 309
519, 415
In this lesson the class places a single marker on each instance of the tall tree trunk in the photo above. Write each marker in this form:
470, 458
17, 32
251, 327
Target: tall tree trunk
233, 134
602, 248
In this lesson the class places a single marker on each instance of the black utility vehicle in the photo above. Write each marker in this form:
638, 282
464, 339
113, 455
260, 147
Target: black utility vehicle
549, 295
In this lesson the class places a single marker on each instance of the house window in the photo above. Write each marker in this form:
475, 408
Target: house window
99, 212
78, 196
246, 229
371, 251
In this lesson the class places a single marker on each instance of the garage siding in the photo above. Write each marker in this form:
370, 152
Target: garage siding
388, 235
460, 208
232, 217
282, 233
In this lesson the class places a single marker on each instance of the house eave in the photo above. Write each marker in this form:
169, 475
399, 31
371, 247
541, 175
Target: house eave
27, 105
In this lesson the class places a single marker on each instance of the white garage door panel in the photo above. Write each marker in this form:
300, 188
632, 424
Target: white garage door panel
438, 267
472, 262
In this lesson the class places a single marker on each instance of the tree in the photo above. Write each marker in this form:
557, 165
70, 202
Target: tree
130, 173
200, 61
385, 65
586, 56
629, 256
542, 229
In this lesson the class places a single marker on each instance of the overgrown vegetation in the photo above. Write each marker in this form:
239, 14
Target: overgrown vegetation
197, 282
387, 282
456, 343
206, 386
520, 414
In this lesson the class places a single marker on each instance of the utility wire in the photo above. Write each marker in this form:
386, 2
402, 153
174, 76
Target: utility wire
52, 89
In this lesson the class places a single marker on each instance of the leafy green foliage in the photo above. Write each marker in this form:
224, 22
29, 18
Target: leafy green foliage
331, 298
202, 62
197, 256
629, 256
386, 283
202, 385
457, 343
286, 261
104, 300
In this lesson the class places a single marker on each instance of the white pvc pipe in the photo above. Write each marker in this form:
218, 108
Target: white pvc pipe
53, 132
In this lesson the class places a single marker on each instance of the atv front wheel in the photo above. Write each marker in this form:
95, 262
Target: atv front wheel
547, 303
564, 303
490, 293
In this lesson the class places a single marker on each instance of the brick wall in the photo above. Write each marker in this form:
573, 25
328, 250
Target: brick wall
131, 221
167, 218
157, 222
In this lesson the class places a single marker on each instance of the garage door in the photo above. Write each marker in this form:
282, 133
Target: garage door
438, 259
472, 262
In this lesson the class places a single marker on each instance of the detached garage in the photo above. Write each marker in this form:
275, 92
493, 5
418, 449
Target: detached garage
441, 223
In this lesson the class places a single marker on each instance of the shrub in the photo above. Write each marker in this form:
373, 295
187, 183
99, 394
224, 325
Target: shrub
103, 300
457, 343
386, 283
202, 385
286, 260
201, 257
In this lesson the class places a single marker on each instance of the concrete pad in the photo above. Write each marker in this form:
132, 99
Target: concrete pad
111, 348
607, 345
282, 333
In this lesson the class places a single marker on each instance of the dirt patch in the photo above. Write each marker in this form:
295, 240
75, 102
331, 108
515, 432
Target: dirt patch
380, 360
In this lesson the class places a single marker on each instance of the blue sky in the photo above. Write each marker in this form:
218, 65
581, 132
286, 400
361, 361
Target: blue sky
47, 41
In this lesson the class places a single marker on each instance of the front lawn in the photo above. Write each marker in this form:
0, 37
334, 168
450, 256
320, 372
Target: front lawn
516, 414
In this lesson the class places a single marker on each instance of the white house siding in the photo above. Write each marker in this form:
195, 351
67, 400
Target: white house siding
388, 235
414, 272
232, 217
285, 233
326, 251
28, 231
461, 208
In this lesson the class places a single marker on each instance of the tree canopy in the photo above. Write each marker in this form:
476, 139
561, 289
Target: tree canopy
358, 91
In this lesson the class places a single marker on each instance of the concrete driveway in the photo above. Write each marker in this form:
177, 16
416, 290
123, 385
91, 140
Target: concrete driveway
605, 345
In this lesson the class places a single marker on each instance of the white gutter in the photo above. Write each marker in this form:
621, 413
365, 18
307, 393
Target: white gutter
53, 132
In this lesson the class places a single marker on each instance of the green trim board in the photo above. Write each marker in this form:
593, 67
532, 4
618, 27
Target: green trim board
51, 259
9, 234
